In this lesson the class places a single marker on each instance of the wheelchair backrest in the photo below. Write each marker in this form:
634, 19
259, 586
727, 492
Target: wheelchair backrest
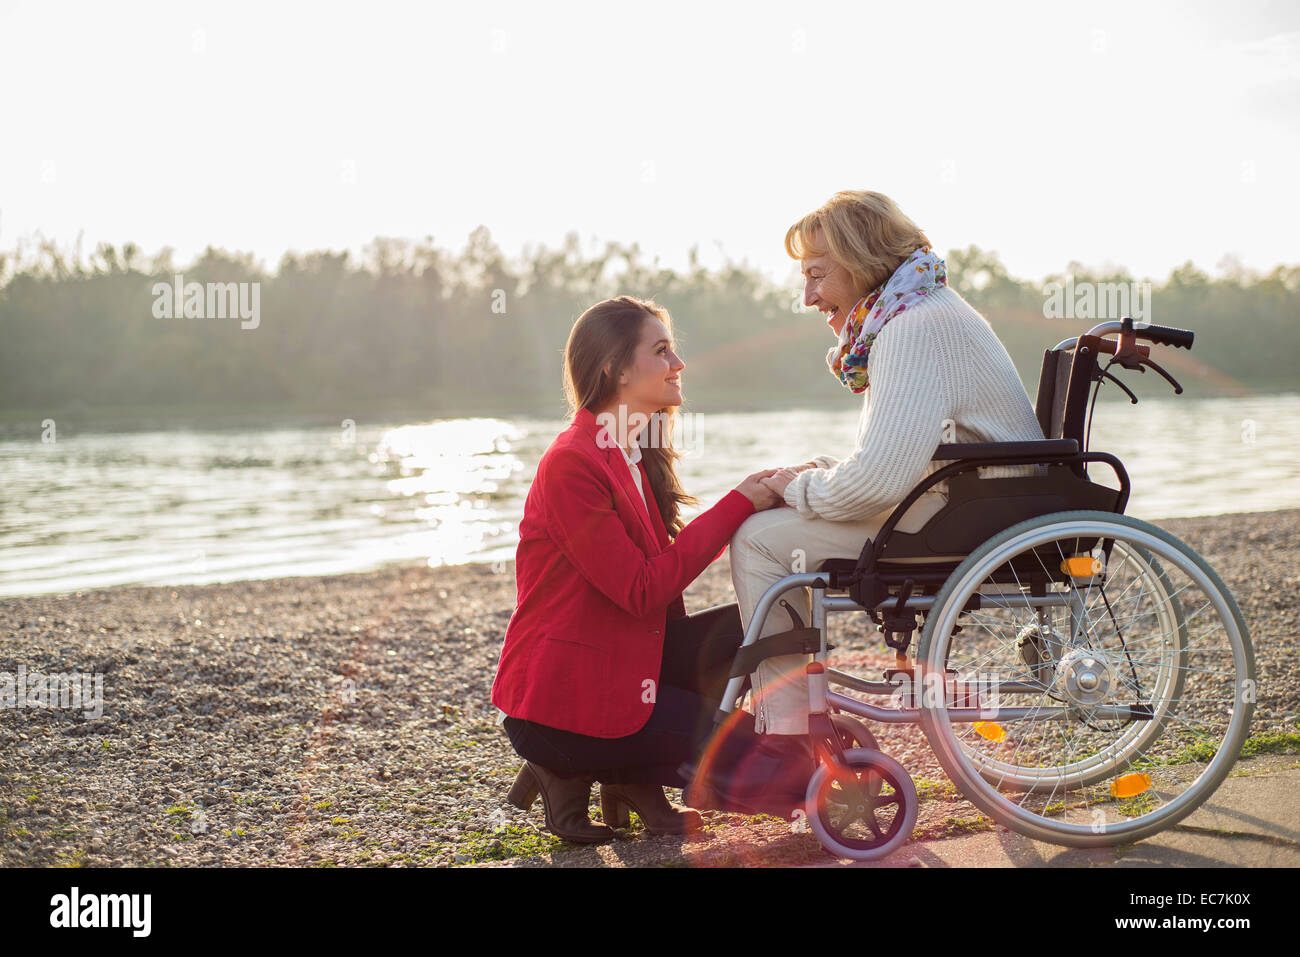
1063, 385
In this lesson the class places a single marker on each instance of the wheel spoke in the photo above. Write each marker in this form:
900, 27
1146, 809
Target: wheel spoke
874, 825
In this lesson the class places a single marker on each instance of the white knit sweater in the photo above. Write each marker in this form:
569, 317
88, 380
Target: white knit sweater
936, 365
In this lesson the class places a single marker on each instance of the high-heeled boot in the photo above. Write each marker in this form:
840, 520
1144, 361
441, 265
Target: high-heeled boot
565, 801
656, 813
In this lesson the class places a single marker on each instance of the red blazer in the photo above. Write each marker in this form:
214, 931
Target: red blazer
596, 581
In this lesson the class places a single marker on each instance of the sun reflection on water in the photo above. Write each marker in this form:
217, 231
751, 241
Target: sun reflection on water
456, 470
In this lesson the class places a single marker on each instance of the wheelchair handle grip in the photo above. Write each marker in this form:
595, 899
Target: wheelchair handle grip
1163, 335
1166, 335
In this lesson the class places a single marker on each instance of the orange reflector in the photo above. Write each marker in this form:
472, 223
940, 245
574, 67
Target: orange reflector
1129, 785
989, 730
1081, 566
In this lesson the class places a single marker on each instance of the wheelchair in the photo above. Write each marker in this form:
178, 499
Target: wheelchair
1083, 677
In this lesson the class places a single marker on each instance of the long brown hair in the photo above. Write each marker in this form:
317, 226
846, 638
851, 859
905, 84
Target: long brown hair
606, 336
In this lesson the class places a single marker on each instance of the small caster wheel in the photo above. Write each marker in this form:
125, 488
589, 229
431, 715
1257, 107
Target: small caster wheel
853, 733
863, 809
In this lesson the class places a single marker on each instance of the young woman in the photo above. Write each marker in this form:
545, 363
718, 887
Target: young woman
603, 676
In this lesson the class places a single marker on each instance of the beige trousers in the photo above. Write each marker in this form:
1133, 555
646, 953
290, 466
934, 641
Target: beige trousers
778, 542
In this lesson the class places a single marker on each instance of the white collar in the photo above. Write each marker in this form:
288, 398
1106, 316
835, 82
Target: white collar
605, 440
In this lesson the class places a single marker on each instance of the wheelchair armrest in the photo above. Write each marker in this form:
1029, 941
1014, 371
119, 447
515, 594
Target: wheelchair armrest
1036, 451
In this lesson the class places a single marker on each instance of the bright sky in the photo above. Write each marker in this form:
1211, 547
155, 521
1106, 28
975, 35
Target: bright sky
1136, 133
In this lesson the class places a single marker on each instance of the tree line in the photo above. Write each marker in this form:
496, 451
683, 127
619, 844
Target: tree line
412, 326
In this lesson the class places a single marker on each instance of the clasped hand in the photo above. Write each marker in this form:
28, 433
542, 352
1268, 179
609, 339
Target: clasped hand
766, 489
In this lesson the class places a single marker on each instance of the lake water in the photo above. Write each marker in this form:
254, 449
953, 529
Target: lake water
174, 507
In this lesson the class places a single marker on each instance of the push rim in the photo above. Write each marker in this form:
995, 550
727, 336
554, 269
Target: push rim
1066, 781
1161, 654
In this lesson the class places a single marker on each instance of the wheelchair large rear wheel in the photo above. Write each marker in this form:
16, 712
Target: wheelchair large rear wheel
1137, 577
1112, 671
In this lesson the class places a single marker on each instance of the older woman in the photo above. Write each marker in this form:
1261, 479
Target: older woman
929, 369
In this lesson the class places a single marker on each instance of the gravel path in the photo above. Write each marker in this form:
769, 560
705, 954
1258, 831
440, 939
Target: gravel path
344, 720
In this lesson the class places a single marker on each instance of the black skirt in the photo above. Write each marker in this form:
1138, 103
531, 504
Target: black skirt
697, 656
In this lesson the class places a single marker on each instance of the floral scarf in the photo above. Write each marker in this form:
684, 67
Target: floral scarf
921, 273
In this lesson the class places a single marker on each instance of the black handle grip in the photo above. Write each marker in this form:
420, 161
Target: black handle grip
1166, 335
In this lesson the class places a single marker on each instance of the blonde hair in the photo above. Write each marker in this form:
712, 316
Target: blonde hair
606, 337
864, 232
